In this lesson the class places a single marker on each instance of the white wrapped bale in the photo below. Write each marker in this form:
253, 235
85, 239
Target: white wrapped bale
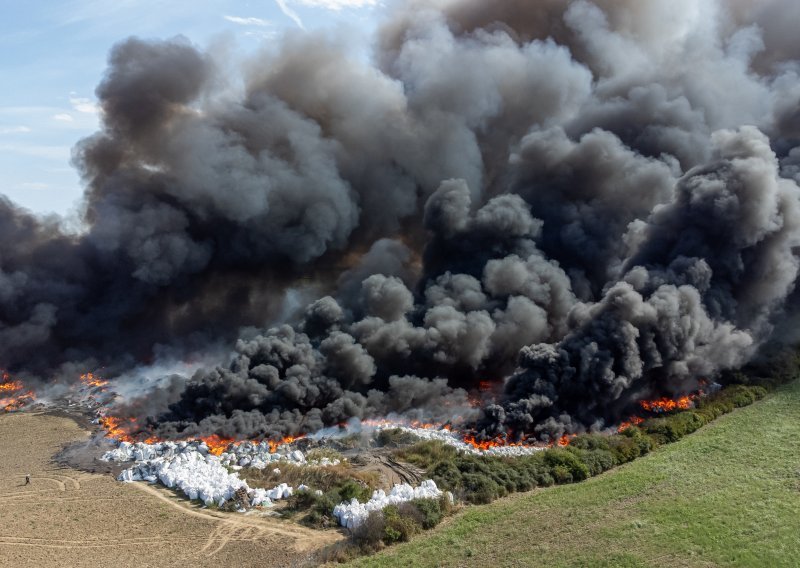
282, 491
353, 514
199, 476
259, 498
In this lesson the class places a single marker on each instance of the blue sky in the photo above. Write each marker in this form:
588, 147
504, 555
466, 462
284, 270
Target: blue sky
53, 55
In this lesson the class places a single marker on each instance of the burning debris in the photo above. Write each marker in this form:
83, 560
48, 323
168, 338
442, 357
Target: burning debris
664, 404
201, 474
520, 219
14, 395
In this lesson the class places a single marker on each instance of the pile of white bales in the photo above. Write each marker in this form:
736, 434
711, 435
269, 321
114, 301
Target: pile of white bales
354, 513
191, 469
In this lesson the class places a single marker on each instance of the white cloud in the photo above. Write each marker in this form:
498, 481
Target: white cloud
59, 153
337, 4
289, 13
84, 105
33, 185
63, 117
248, 21
14, 129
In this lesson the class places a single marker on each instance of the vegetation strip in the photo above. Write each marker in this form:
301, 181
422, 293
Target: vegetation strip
482, 479
726, 496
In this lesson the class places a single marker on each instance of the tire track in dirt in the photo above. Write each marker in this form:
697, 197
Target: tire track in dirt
303, 539
61, 485
80, 544
22, 495
76, 485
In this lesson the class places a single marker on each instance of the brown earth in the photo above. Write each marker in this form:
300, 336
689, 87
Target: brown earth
67, 517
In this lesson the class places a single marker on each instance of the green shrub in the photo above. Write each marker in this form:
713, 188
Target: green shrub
351, 489
446, 475
629, 445
320, 507
590, 442
430, 511
672, 428
369, 535
741, 395
398, 527
561, 458
597, 460
545, 479
562, 474
479, 488
426, 454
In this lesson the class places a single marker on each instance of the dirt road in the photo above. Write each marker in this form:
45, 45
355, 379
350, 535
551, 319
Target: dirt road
67, 518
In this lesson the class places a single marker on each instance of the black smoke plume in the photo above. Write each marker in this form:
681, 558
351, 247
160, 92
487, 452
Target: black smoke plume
586, 202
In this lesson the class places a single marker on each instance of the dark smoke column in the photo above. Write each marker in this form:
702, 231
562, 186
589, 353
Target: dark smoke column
710, 271
580, 203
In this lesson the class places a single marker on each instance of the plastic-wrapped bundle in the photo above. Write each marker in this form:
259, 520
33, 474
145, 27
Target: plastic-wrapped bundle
141, 451
354, 513
259, 498
196, 475
282, 491
247, 454
200, 476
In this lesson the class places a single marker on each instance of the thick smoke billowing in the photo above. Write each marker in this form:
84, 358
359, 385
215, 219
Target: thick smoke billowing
586, 202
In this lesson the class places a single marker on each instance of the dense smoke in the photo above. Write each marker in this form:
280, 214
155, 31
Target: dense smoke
580, 203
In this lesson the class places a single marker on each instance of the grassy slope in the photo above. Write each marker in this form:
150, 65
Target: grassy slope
728, 495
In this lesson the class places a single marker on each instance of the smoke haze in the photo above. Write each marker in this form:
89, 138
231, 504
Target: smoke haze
581, 203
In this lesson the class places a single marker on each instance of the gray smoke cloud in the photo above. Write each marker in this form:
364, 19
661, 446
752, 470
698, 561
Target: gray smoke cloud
587, 202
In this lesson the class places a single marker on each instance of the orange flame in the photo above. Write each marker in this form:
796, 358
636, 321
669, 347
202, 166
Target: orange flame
11, 386
632, 421
564, 440
661, 405
125, 430
668, 404
498, 442
17, 400
114, 429
217, 444
273, 445
92, 380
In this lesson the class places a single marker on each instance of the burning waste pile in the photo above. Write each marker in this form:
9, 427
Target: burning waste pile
13, 394
202, 476
191, 468
464, 443
199, 473
519, 219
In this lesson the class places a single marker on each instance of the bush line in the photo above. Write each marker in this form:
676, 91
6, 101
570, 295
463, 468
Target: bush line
482, 479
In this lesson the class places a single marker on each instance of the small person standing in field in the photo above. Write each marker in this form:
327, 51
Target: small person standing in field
28, 479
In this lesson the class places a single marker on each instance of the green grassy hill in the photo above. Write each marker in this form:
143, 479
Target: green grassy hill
727, 495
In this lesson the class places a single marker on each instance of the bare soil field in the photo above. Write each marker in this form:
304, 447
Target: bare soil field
67, 517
